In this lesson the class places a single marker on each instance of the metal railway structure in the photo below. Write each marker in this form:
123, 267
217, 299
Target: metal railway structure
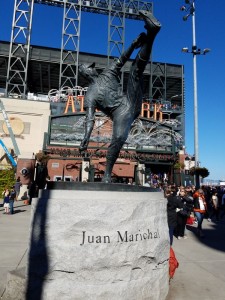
19, 51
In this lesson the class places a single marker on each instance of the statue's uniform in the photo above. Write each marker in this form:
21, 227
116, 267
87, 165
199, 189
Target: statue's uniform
105, 93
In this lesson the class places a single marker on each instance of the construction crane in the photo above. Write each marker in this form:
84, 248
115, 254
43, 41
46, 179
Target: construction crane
15, 146
14, 164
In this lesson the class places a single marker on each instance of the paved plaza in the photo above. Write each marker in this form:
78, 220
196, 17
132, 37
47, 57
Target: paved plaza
201, 272
13, 240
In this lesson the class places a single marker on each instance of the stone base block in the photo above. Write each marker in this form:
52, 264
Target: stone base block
88, 242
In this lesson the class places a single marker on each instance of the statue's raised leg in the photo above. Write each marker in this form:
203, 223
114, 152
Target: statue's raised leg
125, 115
152, 25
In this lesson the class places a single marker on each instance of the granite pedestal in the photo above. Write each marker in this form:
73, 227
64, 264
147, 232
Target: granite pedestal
98, 241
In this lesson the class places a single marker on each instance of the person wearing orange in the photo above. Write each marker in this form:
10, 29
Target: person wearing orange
199, 209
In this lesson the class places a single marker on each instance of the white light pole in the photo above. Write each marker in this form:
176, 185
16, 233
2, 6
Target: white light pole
195, 51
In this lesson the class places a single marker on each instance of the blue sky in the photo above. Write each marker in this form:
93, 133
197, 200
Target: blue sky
174, 35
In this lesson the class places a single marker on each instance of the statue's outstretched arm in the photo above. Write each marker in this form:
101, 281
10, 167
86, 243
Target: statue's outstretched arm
89, 124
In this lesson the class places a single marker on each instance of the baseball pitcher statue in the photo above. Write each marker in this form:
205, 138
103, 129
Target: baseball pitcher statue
105, 92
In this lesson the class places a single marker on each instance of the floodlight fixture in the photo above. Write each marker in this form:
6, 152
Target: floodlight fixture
206, 50
185, 49
176, 96
190, 9
195, 50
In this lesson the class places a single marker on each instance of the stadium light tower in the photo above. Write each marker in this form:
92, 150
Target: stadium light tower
190, 9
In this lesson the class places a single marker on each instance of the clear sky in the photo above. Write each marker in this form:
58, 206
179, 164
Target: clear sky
174, 35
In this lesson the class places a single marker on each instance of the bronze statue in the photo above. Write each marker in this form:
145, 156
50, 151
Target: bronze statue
105, 93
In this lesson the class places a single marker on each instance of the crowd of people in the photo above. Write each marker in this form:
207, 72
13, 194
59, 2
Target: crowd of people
9, 195
186, 205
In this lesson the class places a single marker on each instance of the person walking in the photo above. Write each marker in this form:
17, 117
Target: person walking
3, 195
215, 206
12, 197
173, 204
222, 206
17, 187
32, 191
200, 209
6, 200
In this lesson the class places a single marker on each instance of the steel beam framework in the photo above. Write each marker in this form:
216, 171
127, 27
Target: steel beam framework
117, 11
16, 81
70, 45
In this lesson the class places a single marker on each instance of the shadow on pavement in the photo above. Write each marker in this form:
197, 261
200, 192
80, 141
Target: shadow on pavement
37, 257
16, 211
23, 205
213, 235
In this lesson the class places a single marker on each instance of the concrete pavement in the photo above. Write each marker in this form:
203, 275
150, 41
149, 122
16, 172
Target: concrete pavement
201, 272
14, 234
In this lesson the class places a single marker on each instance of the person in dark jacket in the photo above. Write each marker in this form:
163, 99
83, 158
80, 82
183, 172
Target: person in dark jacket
173, 204
184, 213
17, 187
12, 197
32, 191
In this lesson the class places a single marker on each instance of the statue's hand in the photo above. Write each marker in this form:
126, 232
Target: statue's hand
140, 40
83, 145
